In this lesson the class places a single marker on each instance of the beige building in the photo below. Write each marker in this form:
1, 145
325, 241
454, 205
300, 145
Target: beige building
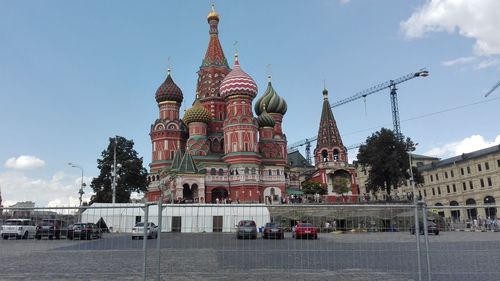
404, 191
470, 181
466, 180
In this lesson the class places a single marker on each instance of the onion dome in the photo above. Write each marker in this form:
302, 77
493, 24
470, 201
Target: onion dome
213, 14
169, 91
271, 100
237, 82
197, 113
265, 120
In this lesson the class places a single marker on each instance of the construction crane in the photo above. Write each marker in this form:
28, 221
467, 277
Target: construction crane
363, 94
492, 89
391, 84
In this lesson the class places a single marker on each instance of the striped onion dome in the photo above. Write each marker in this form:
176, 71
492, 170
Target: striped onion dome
265, 120
169, 91
271, 100
197, 113
237, 82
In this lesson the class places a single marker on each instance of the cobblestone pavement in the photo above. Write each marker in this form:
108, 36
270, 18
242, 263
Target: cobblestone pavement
350, 257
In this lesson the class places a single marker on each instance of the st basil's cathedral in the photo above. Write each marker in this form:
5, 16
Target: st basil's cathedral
219, 151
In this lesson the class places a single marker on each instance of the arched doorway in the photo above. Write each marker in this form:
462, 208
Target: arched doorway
455, 214
219, 193
187, 193
272, 195
471, 211
491, 212
440, 210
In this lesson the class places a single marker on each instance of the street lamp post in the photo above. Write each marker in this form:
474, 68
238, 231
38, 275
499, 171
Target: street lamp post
113, 173
81, 192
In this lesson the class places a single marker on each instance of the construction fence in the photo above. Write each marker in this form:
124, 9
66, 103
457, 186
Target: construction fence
179, 241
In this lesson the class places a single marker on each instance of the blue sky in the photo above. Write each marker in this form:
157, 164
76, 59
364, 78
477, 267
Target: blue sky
74, 73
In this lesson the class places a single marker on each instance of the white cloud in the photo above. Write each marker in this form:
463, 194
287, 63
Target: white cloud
475, 19
24, 162
59, 190
459, 61
470, 144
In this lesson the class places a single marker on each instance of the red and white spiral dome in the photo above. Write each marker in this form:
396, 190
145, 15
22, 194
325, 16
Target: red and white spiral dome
237, 82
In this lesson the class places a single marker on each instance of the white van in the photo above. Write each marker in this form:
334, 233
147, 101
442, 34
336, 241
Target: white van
18, 228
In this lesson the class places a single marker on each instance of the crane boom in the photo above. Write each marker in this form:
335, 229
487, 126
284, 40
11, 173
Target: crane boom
493, 89
381, 86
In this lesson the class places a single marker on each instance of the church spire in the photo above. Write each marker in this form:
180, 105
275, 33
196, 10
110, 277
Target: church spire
214, 55
329, 144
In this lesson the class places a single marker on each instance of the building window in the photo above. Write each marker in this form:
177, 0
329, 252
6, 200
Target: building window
462, 171
479, 167
482, 182
432, 178
468, 170
489, 182
445, 175
498, 162
487, 165
454, 188
213, 172
452, 174
425, 193
439, 190
448, 189
437, 177
270, 172
433, 192
419, 194
464, 186
471, 186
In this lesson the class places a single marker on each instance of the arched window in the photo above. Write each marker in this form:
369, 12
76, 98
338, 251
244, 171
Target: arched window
335, 155
213, 171
221, 172
324, 155
471, 211
253, 171
270, 172
247, 171
491, 212
455, 214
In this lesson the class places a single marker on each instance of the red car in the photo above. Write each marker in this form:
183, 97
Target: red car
306, 230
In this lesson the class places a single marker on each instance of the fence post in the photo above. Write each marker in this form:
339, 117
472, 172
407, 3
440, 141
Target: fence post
145, 240
426, 238
158, 238
417, 236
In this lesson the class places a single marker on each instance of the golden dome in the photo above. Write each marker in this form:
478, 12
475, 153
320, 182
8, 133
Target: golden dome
197, 113
213, 14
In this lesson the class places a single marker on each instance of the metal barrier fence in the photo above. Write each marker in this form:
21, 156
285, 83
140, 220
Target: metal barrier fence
201, 241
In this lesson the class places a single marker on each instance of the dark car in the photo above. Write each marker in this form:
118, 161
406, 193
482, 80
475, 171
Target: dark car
305, 230
246, 229
51, 228
273, 230
431, 228
84, 230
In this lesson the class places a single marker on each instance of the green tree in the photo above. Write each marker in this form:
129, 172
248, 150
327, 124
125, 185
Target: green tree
340, 185
386, 158
131, 175
311, 188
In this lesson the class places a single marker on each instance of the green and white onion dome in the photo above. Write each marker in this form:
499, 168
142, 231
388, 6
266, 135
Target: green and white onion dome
271, 100
265, 120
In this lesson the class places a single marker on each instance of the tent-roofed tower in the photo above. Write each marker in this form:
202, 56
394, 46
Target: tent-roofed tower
213, 69
329, 146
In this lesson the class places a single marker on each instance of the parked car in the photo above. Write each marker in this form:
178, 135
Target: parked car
51, 228
246, 229
432, 227
84, 230
306, 230
273, 230
18, 228
138, 231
